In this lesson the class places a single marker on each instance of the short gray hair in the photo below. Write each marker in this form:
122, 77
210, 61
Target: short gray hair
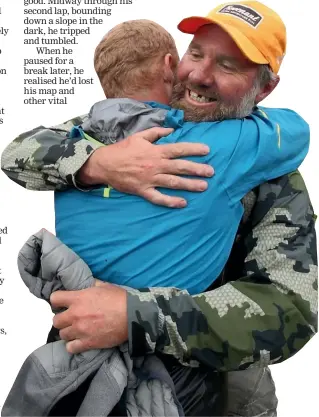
265, 75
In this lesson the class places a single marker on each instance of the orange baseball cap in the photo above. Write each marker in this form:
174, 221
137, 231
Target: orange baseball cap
257, 30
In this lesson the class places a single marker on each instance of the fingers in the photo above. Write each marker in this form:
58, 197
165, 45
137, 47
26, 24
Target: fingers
62, 320
156, 197
155, 133
76, 346
179, 183
62, 298
183, 167
178, 150
68, 333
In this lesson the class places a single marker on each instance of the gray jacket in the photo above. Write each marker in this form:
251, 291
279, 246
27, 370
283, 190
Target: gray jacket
50, 373
114, 119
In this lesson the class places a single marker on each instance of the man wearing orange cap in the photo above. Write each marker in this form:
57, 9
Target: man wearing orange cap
263, 308
258, 31
222, 58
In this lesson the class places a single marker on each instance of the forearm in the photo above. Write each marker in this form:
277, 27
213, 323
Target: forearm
264, 317
224, 334
44, 159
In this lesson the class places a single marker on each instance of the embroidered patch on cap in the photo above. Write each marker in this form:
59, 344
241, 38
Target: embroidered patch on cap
247, 14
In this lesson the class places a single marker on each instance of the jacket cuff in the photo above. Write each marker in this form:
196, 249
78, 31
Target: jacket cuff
73, 159
145, 322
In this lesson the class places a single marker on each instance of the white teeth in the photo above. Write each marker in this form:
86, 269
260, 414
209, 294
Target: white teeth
199, 98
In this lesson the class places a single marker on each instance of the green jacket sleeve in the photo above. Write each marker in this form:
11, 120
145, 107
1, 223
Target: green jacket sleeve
45, 159
265, 316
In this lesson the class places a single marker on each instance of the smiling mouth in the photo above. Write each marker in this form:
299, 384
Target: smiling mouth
200, 98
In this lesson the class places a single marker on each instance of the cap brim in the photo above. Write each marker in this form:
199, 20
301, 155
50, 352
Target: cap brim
192, 24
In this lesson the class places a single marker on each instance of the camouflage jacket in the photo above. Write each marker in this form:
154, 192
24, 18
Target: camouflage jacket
263, 308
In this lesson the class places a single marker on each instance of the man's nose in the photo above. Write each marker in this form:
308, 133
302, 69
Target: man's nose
202, 76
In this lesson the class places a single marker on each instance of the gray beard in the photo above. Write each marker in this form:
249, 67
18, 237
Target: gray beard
222, 111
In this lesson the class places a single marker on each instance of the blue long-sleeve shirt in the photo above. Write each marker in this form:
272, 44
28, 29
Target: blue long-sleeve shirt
129, 241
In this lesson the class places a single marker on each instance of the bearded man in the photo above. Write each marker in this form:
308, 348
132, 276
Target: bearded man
267, 291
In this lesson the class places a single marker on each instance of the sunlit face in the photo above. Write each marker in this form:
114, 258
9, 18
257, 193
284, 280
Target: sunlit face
216, 81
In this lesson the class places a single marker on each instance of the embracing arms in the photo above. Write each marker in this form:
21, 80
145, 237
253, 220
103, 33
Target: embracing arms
263, 317
46, 159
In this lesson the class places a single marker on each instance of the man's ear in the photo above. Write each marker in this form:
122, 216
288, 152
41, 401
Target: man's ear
168, 68
267, 89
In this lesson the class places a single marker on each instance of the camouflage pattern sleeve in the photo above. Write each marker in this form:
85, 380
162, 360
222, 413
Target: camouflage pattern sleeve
265, 316
45, 159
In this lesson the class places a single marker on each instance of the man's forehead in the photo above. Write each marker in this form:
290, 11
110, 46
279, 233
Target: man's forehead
213, 38
213, 33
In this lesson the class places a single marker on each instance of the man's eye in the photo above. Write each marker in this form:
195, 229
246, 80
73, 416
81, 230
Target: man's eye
195, 54
227, 66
